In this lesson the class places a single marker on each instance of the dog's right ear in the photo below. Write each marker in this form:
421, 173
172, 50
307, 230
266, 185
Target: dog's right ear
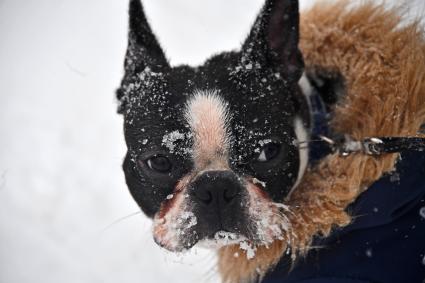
143, 47
143, 51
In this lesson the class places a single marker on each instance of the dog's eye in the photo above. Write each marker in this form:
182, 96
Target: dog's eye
159, 163
268, 152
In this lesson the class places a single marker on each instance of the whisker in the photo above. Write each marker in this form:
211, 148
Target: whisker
282, 206
119, 220
309, 141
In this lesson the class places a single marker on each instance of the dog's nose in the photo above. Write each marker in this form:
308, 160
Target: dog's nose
218, 188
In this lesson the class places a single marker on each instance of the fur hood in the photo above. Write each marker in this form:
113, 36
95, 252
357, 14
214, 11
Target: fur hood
382, 62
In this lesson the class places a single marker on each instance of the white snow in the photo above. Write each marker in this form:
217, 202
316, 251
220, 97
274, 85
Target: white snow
250, 250
369, 252
221, 239
169, 140
227, 236
255, 181
422, 212
62, 145
189, 219
264, 142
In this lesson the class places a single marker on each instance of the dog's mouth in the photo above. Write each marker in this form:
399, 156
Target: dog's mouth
220, 239
185, 230
250, 220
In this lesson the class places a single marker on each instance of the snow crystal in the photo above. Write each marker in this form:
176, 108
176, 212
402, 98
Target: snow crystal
146, 73
170, 196
189, 219
375, 209
145, 141
225, 236
369, 253
169, 140
255, 181
236, 255
395, 177
422, 212
423, 260
221, 239
264, 142
250, 250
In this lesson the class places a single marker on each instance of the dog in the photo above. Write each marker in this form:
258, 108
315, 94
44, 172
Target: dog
216, 152
213, 150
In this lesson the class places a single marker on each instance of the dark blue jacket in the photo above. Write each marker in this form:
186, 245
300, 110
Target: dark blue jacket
384, 244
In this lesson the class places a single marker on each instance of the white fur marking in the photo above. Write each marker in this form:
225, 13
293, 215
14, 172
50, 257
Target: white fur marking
306, 89
208, 117
302, 135
301, 131
305, 86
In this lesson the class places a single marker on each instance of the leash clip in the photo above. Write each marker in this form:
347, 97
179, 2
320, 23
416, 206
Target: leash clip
350, 146
371, 146
347, 145
344, 146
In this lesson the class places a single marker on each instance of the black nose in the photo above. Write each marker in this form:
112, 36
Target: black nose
217, 188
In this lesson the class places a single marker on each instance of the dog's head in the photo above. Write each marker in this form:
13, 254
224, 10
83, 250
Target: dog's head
212, 150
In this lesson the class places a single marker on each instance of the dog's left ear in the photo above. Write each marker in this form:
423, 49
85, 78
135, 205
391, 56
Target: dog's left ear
274, 39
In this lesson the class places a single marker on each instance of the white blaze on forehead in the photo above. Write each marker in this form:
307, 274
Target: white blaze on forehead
208, 116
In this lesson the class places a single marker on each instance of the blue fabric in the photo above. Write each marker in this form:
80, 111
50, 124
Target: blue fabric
320, 126
385, 243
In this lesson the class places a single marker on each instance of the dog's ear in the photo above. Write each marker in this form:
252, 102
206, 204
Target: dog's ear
143, 47
274, 39
143, 51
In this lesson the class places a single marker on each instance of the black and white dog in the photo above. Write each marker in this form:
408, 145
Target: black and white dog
213, 150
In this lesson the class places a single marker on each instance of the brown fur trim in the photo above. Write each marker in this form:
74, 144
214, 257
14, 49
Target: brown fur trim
383, 64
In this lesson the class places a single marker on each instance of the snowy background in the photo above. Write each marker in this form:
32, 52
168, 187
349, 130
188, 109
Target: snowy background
61, 143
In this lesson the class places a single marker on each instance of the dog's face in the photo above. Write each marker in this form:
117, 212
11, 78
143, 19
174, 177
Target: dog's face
212, 150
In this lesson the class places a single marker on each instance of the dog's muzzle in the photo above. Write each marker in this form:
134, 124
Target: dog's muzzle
218, 208
218, 198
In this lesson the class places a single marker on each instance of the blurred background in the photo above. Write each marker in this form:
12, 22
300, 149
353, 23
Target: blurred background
62, 191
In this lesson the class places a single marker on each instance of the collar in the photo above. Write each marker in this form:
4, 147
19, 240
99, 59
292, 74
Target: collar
324, 142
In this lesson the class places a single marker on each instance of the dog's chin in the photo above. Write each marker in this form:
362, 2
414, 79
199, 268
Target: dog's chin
216, 240
176, 244
221, 239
